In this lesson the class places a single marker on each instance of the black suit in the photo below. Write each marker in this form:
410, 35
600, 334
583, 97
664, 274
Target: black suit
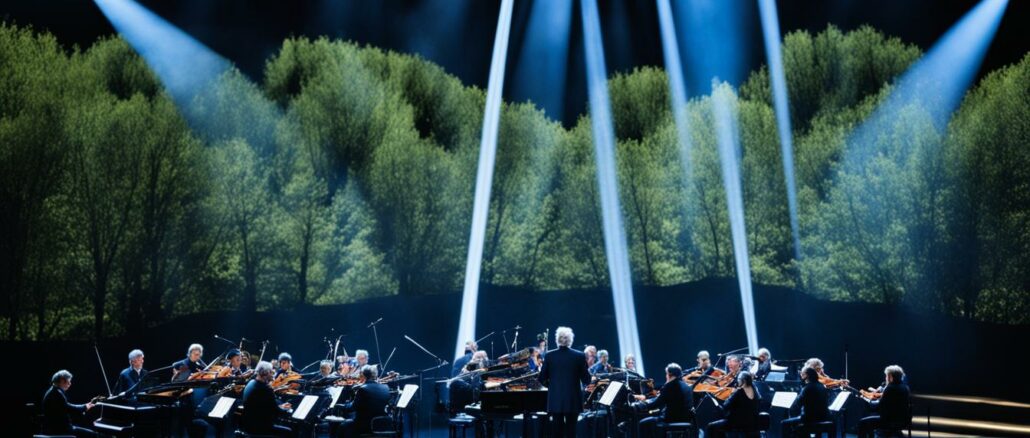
564, 373
370, 400
260, 410
460, 363
676, 400
57, 414
186, 367
893, 408
763, 370
814, 401
129, 379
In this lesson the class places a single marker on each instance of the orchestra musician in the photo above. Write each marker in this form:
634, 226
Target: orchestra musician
130, 377
740, 411
704, 364
733, 366
602, 365
564, 373
325, 369
182, 369
260, 409
234, 361
370, 400
360, 360
57, 410
892, 406
826, 380
762, 365
630, 363
814, 401
675, 400
285, 364
535, 359
591, 355
461, 361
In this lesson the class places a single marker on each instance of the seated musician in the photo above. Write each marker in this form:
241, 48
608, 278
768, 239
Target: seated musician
602, 365
630, 363
704, 364
260, 408
535, 359
325, 369
370, 400
675, 400
182, 369
57, 411
235, 362
826, 380
285, 364
245, 362
762, 365
461, 361
481, 359
740, 411
130, 377
814, 402
360, 360
733, 367
591, 353
892, 407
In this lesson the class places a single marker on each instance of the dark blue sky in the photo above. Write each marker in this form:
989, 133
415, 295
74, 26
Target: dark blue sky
458, 34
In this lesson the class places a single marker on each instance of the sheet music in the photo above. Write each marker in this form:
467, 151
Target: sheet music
222, 407
784, 399
305, 407
406, 395
609, 394
839, 401
335, 392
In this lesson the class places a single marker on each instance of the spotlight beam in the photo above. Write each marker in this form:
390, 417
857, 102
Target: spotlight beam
677, 85
607, 180
484, 179
726, 129
771, 31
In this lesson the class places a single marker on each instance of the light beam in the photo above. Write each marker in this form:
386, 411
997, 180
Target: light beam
607, 180
484, 179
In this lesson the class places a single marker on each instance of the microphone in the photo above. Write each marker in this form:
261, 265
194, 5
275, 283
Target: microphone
375, 322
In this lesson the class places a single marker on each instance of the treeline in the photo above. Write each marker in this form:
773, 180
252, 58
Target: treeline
348, 173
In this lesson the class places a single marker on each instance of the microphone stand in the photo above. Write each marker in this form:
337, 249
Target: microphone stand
421, 378
102, 371
722, 356
375, 333
515, 342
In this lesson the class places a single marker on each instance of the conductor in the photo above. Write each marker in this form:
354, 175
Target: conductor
564, 373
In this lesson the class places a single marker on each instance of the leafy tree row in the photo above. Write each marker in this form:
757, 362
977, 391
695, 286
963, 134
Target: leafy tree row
348, 173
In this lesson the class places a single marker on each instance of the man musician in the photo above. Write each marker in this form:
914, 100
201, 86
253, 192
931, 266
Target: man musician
564, 373
182, 369
892, 406
370, 401
260, 409
675, 399
130, 377
58, 411
762, 364
461, 361
602, 365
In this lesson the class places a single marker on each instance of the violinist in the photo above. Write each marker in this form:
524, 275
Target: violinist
733, 366
360, 360
814, 401
602, 365
740, 412
590, 352
182, 369
704, 364
131, 376
233, 362
260, 409
325, 369
762, 365
675, 400
630, 363
892, 406
535, 359
285, 365
57, 411
827, 381
370, 400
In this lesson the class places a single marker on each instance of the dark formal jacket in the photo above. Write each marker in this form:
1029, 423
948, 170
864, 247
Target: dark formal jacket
763, 370
676, 400
57, 412
893, 405
740, 411
370, 400
128, 379
599, 368
260, 409
459, 363
814, 402
564, 373
188, 364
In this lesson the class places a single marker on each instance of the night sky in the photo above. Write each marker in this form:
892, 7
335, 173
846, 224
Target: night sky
458, 34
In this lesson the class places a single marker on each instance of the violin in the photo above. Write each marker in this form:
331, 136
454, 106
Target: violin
831, 383
285, 383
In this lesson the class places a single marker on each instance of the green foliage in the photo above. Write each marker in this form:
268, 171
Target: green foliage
348, 173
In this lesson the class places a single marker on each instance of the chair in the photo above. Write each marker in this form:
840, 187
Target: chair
242, 434
829, 428
385, 426
454, 424
683, 429
762, 429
